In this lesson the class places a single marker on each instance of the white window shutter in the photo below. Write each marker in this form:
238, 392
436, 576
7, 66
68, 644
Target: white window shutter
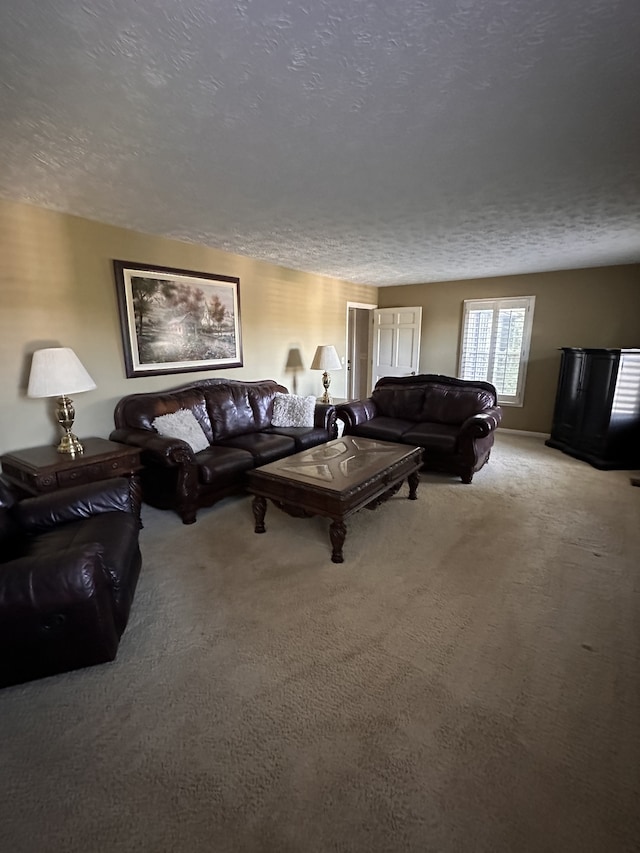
495, 344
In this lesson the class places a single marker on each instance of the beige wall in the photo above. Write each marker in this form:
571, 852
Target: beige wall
57, 289
592, 307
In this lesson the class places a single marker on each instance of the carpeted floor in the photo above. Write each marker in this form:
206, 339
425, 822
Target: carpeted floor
468, 680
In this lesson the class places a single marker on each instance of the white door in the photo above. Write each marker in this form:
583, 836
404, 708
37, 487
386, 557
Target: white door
396, 342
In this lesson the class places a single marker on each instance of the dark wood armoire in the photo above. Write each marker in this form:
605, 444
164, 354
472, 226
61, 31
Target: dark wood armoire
597, 411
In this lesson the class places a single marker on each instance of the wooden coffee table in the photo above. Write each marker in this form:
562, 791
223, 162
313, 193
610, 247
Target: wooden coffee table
335, 480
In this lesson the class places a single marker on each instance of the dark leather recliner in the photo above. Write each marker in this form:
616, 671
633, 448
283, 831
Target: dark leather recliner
69, 564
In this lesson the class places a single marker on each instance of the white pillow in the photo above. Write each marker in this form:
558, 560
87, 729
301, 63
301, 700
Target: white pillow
182, 424
289, 410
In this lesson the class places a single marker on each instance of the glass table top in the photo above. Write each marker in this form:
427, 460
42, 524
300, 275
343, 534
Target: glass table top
340, 463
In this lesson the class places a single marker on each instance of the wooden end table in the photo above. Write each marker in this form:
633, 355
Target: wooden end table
39, 470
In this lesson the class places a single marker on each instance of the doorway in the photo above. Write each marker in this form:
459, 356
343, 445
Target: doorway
359, 328
380, 342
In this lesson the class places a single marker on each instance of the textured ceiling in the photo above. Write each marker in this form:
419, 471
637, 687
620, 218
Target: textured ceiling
375, 141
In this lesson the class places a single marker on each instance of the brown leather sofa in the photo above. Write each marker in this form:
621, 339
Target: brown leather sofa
454, 420
69, 564
236, 419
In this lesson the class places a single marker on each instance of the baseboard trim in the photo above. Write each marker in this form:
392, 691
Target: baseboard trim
525, 432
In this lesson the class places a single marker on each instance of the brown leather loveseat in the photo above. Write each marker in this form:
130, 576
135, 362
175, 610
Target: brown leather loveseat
69, 564
236, 419
454, 420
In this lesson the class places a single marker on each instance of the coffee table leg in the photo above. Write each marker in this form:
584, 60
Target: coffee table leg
259, 507
337, 532
413, 479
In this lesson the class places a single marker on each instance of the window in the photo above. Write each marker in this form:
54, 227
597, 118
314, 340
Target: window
495, 344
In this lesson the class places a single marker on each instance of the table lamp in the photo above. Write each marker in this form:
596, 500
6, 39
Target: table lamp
57, 372
326, 358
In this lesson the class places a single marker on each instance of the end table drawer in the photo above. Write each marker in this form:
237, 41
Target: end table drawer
125, 465
96, 471
43, 482
72, 477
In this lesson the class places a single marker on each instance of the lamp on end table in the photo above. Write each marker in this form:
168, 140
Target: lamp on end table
326, 358
57, 372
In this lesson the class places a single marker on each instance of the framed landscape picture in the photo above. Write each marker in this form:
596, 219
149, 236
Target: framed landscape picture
175, 321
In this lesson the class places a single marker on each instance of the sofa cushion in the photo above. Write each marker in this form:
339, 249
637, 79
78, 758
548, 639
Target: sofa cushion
141, 409
230, 411
263, 446
304, 437
399, 402
386, 429
446, 404
221, 465
116, 533
183, 425
261, 396
433, 436
291, 410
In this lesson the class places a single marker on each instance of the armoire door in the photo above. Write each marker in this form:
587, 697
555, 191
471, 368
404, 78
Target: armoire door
597, 389
567, 412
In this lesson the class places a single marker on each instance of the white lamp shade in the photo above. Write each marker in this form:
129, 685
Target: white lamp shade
56, 371
326, 358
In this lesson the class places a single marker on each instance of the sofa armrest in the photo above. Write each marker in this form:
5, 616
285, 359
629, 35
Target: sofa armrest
356, 412
325, 418
482, 424
157, 453
45, 511
56, 613
155, 447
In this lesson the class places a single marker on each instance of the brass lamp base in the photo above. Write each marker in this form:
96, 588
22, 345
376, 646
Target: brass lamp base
70, 444
326, 381
65, 413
